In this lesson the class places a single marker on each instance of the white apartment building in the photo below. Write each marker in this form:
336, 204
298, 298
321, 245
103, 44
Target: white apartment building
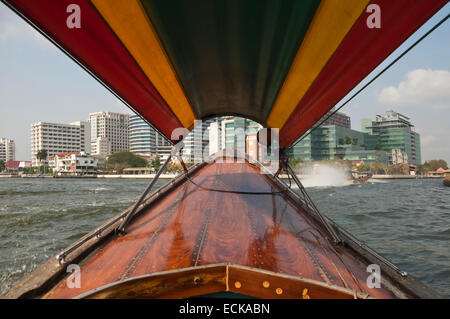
112, 126
101, 146
57, 138
7, 150
215, 137
85, 136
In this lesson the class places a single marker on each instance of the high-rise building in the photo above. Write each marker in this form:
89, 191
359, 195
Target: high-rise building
240, 134
219, 133
196, 143
389, 139
394, 133
339, 119
7, 150
85, 136
101, 147
145, 140
57, 138
215, 137
112, 127
336, 142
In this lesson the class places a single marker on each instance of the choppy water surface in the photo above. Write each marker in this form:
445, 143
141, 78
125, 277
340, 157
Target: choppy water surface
407, 221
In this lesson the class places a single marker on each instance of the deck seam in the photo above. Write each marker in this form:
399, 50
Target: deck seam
144, 249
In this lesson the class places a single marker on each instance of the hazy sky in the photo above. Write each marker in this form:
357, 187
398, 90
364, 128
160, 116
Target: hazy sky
39, 83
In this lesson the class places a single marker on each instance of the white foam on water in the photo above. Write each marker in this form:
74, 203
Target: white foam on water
325, 176
371, 180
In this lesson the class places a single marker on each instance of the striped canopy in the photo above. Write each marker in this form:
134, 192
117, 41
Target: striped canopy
282, 63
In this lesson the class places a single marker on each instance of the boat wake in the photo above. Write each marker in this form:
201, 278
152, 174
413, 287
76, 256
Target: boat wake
376, 181
325, 176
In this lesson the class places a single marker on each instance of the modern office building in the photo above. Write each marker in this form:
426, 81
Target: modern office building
336, 142
389, 139
111, 126
235, 131
393, 132
197, 142
7, 150
57, 138
145, 140
334, 139
339, 119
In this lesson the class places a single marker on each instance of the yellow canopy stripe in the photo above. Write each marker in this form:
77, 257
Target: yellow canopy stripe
131, 25
332, 21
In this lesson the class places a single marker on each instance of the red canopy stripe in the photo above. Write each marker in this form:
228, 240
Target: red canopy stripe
361, 51
96, 47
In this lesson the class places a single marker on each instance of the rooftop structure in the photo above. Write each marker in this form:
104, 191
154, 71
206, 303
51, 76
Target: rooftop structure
339, 119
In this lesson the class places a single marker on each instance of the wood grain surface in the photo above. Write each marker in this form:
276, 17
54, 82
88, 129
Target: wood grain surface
193, 227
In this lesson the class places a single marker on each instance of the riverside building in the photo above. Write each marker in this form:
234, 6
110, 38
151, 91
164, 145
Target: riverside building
197, 142
145, 140
336, 142
238, 133
57, 138
393, 132
111, 128
338, 119
389, 139
7, 150
73, 163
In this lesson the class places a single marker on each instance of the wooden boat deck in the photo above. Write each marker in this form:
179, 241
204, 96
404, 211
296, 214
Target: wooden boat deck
192, 227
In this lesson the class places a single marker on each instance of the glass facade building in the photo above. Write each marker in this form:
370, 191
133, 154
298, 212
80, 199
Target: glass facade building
336, 142
146, 140
382, 138
392, 132
235, 131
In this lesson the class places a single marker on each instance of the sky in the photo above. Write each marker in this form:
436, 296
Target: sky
40, 83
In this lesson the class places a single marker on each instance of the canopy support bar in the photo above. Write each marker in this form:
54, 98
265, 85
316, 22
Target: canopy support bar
310, 203
121, 229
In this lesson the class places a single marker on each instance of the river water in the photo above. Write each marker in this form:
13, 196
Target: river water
407, 221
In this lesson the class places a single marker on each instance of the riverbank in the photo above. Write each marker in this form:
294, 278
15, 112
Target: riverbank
102, 176
403, 177
142, 176
170, 176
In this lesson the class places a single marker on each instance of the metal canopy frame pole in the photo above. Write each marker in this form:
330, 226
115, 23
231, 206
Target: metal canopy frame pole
121, 229
290, 171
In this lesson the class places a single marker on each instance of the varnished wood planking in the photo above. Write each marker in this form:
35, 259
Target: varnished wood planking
193, 227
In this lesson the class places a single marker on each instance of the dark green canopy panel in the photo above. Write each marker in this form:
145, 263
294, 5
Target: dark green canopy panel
231, 56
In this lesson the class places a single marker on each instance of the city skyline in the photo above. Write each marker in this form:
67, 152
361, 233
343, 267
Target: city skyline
58, 90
